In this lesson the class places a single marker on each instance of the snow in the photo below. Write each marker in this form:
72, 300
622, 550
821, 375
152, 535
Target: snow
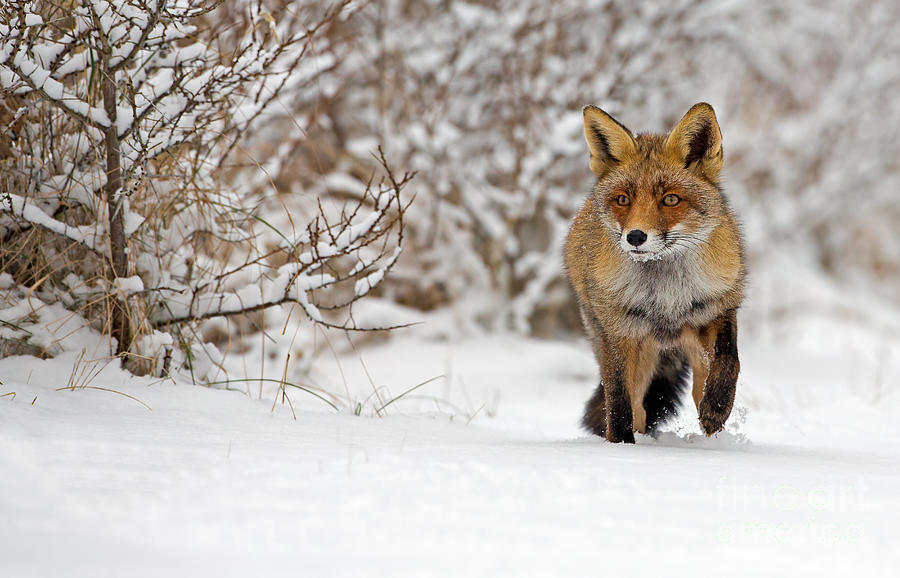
128, 285
74, 185
343, 182
133, 221
41, 80
364, 285
30, 212
370, 281
74, 63
481, 472
33, 20
289, 283
46, 325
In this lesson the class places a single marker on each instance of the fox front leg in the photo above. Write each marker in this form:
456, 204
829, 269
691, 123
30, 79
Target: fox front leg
724, 366
619, 418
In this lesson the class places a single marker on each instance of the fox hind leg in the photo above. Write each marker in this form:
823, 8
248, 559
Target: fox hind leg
594, 419
662, 400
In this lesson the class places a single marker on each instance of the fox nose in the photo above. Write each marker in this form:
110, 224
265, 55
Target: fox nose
636, 237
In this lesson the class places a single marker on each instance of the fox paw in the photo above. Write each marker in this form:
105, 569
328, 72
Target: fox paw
624, 435
712, 417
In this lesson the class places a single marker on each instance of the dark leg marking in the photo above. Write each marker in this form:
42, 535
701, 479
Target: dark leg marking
669, 383
619, 419
718, 396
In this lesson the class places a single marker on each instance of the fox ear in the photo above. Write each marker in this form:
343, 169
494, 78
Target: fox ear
609, 141
696, 142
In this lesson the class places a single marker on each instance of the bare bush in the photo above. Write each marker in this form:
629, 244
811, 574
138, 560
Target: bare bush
120, 120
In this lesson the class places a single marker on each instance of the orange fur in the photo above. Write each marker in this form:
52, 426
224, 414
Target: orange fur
674, 292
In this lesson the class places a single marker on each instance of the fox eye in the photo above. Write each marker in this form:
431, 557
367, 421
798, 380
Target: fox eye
671, 200
622, 200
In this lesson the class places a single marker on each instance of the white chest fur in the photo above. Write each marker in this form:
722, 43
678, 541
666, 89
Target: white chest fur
669, 292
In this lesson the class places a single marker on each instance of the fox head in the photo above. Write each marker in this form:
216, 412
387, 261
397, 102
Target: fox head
657, 194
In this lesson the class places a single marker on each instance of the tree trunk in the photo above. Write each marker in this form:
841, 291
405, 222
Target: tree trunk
118, 246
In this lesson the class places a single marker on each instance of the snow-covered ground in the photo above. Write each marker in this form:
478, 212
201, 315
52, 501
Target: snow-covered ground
481, 472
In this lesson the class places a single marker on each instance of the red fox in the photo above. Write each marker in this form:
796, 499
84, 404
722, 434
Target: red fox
656, 260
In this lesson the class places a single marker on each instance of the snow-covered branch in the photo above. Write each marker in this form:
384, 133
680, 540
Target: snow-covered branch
27, 210
360, 247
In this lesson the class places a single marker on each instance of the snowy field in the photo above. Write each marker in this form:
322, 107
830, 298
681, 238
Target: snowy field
240, 179
481, 472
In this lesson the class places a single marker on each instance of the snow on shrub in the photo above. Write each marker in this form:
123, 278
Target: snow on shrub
121, 120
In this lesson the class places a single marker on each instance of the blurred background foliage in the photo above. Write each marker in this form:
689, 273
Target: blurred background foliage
484, 100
